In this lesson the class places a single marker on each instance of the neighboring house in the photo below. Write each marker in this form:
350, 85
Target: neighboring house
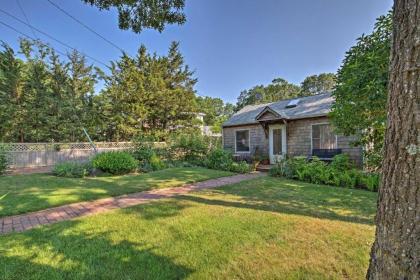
205, 129
296, 127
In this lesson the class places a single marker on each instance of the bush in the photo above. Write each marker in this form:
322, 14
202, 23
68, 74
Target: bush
341, 163
116, 163
239, 167
190, 147
340, 172
222, 160
72, 169
149, 157
370, 181
3, 159
219, 159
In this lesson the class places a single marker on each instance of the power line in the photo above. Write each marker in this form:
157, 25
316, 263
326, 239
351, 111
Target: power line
53, 38
24, 15
85, 26
27, 36
71, 105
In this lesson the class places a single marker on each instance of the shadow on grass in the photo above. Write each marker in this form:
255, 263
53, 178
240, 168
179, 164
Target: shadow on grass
56, 253
292, 197
34, 192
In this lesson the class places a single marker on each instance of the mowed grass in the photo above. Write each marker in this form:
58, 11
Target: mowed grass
26, 193
266, 228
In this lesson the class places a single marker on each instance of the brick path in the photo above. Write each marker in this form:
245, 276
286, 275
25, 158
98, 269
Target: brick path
27, 221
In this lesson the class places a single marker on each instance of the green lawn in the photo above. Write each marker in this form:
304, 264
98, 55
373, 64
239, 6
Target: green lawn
26, 193
266, 228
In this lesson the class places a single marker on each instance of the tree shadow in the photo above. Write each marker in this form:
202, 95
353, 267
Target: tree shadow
57, 253
32, 192
290, 197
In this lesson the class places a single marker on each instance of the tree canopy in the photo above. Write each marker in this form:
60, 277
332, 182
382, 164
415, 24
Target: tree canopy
361, 91
44, 98
277, 90
140, 14
316, 84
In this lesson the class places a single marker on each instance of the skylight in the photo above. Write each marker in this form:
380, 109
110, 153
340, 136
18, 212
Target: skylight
292, 103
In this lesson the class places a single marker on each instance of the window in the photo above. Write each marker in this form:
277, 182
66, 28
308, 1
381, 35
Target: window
323, 137
277, 141
242, 140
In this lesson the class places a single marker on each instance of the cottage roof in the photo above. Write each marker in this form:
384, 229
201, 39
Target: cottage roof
307, 107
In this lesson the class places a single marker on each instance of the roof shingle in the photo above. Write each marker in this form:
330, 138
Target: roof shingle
308, 107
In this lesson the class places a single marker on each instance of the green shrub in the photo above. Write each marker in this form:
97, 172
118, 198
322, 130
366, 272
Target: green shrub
190, 147
3, 159
239, 167
72, 169
341, 163
219, 159
370, 181
156, 163
340, 172
116, 163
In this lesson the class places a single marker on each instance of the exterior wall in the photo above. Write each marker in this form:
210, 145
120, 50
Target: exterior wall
256, 135
299, 133
299, 140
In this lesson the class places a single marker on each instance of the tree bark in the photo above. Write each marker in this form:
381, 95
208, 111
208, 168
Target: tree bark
396, 251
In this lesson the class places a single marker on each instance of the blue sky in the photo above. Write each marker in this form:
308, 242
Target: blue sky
231, 44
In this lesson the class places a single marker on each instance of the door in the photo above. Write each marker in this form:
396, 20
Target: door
277, 142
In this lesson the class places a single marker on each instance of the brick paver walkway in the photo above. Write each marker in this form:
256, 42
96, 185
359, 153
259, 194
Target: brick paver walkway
27, 221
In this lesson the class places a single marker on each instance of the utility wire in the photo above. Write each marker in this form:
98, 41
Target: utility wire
71, 105
27, 36
53, 38
24, 15
85, 26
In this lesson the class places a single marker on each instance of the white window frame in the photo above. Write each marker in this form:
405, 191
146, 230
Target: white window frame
249, 142
336, 136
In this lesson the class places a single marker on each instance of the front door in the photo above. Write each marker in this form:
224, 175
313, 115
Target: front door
277, 142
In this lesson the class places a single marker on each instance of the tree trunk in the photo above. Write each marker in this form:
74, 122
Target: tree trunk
396, 251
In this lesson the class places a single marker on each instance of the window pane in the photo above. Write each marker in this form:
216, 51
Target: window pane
323, 137
315, 143
242, 141
277, 141
315, 131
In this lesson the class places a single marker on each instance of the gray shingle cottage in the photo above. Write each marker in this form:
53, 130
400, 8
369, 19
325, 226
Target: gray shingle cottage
296, 127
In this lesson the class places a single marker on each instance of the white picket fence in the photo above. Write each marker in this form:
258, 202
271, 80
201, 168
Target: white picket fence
26, 155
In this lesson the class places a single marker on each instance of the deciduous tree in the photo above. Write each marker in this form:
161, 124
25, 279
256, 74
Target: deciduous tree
140, 14
361, 91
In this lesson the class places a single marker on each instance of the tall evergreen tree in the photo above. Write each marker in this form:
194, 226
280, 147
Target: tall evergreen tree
12, 110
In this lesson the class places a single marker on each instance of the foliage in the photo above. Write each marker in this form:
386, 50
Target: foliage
278, 89
340, 172
215, 110
116, 163
317, 84
72, 169
361, 91
141, 14
221, 159
190, 147
3, 159
240, 167
148, 93
44, 98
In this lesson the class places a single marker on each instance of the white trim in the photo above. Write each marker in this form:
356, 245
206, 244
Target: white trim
321, 123
283, 141
249, 142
